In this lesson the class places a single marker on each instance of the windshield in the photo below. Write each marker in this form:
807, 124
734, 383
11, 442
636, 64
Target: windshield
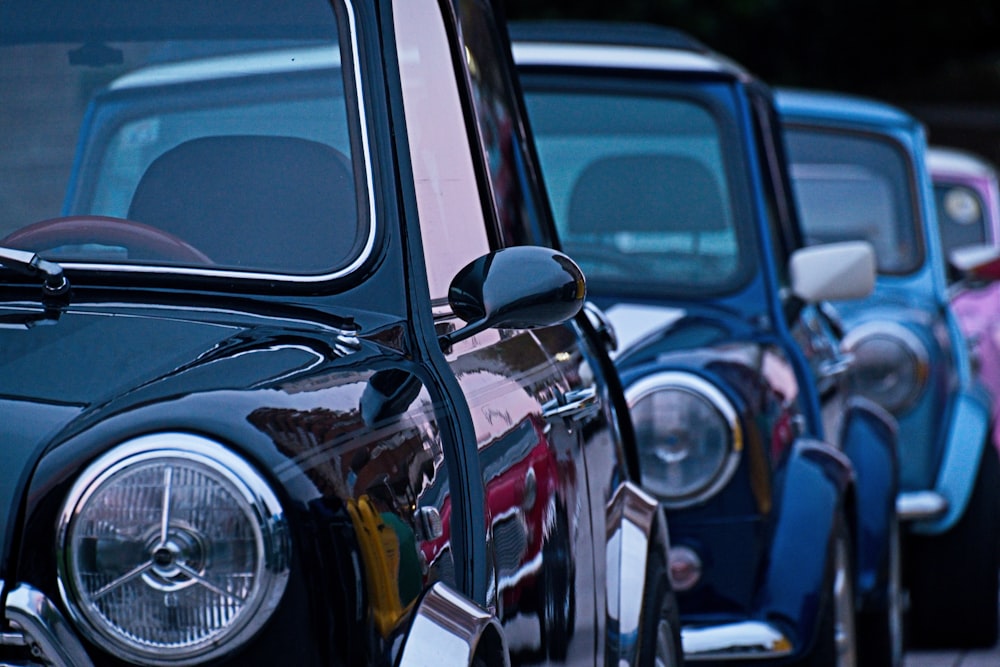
961, 213
163, 134
856, 187
643, 189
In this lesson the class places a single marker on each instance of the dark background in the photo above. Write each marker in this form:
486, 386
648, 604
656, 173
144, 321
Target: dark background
938, 60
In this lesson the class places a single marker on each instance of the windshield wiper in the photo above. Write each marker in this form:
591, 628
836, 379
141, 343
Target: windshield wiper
54, 282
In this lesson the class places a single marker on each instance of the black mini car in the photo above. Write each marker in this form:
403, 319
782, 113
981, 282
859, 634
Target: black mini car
290, 372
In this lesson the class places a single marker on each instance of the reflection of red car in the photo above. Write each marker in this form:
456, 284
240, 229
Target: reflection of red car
526, 515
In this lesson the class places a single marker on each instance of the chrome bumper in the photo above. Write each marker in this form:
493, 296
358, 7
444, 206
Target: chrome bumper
744, 640
921, 505
37, 623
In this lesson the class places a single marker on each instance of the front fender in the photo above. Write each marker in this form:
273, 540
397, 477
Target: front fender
815, 480
446, 624
968, 433
869, 438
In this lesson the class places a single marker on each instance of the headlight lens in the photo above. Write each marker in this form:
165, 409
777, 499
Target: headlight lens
688, 434
172, 550
891, 364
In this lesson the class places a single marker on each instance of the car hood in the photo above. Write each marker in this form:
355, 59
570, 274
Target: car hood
891, 302
62, 375
644, 330
704, 339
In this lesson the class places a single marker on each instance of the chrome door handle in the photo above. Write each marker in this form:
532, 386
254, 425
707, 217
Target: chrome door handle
836, 367
574, 404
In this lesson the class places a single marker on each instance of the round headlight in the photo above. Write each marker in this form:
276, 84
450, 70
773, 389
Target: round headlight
172, 550
688, 434
890, 364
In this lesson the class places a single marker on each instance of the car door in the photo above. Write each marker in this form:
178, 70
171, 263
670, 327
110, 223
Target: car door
524, 388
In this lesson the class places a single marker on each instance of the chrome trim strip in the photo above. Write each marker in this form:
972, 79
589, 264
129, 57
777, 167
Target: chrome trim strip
362, 257
447, 624
630, 516
742, 640
693, 384
44, 627
921, 505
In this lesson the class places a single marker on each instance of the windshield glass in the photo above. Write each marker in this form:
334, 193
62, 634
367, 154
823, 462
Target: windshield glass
961, 213
856, 187
643, 189
169, 134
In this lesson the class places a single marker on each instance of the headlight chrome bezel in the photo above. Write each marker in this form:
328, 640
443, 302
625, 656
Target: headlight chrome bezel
908, 343
248, 492
701, 389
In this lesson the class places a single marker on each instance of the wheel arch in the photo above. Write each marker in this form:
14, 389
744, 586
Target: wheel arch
817, 484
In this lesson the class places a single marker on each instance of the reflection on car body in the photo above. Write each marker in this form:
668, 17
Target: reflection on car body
306, 382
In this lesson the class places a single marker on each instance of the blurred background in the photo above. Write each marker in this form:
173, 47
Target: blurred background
938, 60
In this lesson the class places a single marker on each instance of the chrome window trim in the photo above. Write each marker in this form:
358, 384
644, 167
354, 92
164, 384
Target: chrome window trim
360, 260
271, 536
685, 381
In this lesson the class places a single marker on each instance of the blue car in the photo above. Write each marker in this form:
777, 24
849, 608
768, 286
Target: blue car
670, 189
859, 169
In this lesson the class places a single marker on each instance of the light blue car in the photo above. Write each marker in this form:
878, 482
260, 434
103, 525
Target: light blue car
859, 172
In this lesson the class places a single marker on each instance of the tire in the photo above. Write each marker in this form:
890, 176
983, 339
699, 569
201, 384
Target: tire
880, 632
952, 578
659, 636
836, 642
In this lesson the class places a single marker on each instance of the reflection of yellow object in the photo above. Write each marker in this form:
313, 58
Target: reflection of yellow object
380, 552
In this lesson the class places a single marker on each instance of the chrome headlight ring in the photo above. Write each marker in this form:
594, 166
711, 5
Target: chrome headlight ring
172, 550
689, 436
891, 365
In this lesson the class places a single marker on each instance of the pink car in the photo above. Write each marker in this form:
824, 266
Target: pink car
967, 199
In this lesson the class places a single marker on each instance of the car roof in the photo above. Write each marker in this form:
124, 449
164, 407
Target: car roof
605, 32
609, 44
840, 107
947, 160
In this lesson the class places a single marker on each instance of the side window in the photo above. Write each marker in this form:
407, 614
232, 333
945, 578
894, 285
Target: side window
518, 199
448, 192
961, 215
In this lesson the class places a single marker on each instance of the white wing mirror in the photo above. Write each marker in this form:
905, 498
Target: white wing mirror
833, 271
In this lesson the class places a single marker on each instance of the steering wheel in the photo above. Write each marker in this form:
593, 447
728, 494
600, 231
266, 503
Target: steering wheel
146, 241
